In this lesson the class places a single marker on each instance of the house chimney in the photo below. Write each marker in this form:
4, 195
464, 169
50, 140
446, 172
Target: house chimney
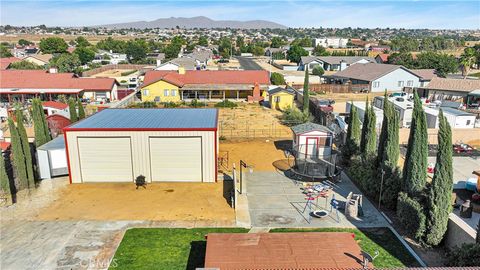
181, 70
52, 70
343, 65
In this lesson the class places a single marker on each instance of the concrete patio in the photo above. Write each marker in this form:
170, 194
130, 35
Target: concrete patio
275, 201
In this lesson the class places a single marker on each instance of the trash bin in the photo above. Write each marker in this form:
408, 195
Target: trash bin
466, 209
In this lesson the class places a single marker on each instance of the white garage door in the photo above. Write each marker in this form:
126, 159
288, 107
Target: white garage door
176, 159
105, 159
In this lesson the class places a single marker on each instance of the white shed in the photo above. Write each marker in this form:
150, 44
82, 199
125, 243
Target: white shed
164, 145
312, 140
456, 118
52, 159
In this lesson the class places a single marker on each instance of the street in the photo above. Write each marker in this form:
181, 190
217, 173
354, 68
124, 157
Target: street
248, 63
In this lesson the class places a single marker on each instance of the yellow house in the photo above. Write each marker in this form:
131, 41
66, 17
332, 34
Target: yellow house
161, 91
281, 98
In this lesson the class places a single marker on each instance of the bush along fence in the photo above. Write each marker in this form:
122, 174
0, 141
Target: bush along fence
422, 209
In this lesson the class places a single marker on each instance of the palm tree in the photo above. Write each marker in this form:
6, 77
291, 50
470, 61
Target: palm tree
467, 59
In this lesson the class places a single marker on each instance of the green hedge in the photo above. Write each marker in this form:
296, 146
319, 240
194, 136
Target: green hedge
411, 216
126, 73
226, 104
466, 255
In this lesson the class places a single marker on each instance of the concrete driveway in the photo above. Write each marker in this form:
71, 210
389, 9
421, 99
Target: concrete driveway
275, 201
248, 63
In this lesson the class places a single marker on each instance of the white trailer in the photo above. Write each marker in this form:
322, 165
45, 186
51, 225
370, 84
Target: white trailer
456, 118
360, 105
52, 158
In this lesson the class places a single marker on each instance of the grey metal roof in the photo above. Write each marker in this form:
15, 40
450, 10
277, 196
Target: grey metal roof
150, 119
309, 126
452, 111
288, 90
57, 143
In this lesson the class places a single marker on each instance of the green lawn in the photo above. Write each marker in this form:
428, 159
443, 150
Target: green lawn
163, 248
392, 252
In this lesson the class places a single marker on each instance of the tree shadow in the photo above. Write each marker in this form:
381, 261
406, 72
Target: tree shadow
196, 258
228, 188
284, 145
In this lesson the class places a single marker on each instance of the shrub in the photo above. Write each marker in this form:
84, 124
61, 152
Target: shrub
222, 138
277, 78
196, 104
146, 104
466, 255
391, 187
170, 104
318, 71
362, 173
126, 73
293, 116
411, 215
226, 104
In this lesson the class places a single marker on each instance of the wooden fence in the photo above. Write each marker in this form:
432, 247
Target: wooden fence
334, 88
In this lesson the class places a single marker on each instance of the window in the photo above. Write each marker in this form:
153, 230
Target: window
400, 83
173, 92
165, 92
145, 92
277, 99
376, 84
410, 83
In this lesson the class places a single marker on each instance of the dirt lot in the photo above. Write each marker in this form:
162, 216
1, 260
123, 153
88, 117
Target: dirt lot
159, 201
251, 121
113, 73
257, 153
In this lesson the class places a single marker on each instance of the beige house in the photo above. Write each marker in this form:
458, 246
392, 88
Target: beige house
39, 59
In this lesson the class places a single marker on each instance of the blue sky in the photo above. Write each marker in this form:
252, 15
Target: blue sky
371, 14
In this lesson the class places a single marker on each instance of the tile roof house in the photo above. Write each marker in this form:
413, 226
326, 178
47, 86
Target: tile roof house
5, 62
332, 63
382, 58
39, 59
426, 75
376, 77
162, 86
25, 84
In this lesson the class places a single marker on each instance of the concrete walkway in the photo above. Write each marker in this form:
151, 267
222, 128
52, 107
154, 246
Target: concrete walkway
275, 201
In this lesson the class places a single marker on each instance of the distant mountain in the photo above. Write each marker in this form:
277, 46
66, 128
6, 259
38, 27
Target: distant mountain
194, 22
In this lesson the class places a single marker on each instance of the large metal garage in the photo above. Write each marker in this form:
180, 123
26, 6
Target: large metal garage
117, 145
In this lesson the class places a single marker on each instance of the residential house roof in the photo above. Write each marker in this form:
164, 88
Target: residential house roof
42, 57
150, 119
287, 90
368, 72
208, 77
35, 80
185, 62
425, 74
458, 85
55, 105
335, 60
383, 57
309, 126
5, 62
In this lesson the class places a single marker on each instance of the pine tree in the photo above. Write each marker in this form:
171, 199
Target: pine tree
25, 147
81, 111
352, 143
73, 110
18, 157
4, 182
440, 192
38, 124
306, 95
415, 168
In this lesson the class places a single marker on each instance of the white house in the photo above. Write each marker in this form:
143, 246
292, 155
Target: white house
110, 57
55, 107
332, 63
330, 42
378, 77
456, 118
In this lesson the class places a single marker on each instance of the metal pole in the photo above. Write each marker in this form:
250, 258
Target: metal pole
381, 187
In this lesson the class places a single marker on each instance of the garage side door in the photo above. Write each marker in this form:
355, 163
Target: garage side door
105, 159
176, 159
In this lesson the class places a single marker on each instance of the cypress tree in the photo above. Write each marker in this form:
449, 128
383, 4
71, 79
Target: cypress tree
391, 146
81, 111
371, 136
383, 133
4, 182
415, 168
73, 110
18, 157
352, 143
43, 120
22, 133
440, 192
306, 95
366, 116
38, 124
